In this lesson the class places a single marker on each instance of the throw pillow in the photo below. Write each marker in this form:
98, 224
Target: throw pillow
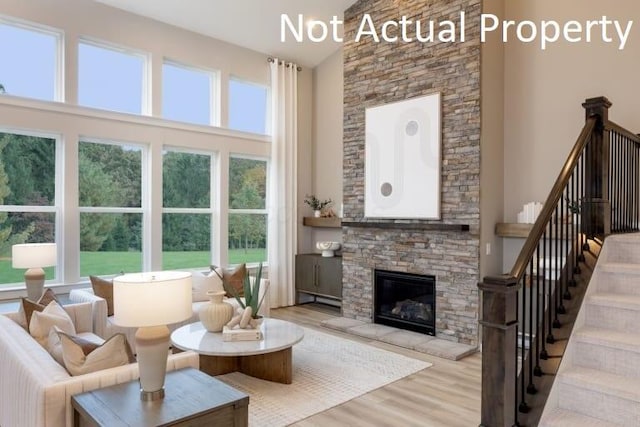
52, 315
82, 357
235, 278
47, 297
54, 346
201, 283
27, 307
104, 289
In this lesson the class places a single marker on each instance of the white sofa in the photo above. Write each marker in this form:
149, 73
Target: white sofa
104, 326
36, 391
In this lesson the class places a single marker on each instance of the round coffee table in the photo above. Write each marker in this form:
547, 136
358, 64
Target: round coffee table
268, 358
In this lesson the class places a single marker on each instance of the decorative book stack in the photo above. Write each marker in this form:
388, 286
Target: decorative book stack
238, 334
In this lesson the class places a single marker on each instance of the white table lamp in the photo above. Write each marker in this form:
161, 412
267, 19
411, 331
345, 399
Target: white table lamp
34, 256
150, 301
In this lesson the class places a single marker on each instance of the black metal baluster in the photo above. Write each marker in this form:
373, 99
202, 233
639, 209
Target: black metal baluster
574, 224
524, 408
557, 292
531, 388
566, 227
545, 242
537, 371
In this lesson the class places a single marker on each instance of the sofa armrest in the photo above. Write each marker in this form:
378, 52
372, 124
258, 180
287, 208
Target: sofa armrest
99, 308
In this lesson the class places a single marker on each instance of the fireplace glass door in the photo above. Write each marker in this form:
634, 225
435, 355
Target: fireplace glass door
405, 301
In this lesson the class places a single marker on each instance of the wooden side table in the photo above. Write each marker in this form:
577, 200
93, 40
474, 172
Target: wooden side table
192, 398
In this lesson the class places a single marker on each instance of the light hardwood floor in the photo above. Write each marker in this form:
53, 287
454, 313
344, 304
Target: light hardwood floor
446, 394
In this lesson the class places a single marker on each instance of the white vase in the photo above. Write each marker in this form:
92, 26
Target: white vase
317, 214
216, 313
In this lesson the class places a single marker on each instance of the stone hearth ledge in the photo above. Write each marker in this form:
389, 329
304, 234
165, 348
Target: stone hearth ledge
411, 340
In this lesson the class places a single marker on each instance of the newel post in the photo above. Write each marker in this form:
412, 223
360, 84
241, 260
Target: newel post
499, 329
596, 213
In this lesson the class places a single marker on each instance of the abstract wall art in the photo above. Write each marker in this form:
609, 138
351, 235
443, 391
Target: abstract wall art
402, 159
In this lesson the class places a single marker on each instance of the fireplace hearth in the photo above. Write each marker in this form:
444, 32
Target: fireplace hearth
405, 301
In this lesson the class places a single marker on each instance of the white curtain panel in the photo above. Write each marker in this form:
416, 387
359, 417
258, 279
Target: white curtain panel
282, 234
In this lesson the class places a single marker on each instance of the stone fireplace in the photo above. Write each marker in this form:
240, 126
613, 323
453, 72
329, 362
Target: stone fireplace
447, 249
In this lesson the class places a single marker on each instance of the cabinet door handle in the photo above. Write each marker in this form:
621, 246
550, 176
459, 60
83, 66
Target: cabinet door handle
316, 275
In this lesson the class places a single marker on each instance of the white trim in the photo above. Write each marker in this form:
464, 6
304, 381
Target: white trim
145, 90
267, 111
97, 113
58, 35
214, 87
197, 211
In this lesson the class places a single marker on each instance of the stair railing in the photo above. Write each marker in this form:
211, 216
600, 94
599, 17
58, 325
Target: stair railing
595, 194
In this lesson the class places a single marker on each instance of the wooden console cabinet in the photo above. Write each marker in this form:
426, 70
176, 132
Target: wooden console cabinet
319, 276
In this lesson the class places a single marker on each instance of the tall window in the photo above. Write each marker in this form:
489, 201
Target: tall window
187, 212
111, 79
27, 197
188, 94
247, 210
248, 107
29, 64
110, 184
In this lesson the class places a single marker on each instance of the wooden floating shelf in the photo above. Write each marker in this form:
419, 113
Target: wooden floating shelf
329, 222
504, 229
407, 226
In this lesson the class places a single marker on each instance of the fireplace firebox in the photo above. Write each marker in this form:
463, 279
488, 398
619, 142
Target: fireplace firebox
405, 301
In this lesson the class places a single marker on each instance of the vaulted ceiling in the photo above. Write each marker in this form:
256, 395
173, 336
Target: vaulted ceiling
254, 24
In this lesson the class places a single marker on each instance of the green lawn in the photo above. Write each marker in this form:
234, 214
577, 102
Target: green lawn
103, 263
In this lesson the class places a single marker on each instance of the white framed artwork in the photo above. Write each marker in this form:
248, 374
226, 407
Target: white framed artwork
402, 159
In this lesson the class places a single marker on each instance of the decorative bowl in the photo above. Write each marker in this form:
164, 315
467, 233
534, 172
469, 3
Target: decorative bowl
328, 248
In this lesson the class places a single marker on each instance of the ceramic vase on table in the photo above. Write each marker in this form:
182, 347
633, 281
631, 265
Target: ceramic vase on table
216, 313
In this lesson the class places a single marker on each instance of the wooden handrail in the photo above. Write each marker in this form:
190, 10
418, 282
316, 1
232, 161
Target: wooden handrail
544, 218
611, 126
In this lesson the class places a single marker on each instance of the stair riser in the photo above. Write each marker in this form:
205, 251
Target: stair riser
612, 318
599, 405
612, 360
619, 283
624, 252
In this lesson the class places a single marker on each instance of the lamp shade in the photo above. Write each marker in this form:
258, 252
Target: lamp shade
34, 255
151, 299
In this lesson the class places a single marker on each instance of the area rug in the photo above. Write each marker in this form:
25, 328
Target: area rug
327, 371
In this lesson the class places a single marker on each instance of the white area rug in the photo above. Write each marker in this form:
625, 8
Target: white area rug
327, 371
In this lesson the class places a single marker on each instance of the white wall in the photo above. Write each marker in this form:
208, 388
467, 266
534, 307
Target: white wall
491, 146
326, 165
544, 91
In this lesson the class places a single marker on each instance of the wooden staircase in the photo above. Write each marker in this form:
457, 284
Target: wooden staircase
597, 383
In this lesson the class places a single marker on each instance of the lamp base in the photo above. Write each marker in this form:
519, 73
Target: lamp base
149, 396
152, 346
34, 280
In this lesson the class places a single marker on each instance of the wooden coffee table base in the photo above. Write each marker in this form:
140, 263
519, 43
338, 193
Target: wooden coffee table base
275, 366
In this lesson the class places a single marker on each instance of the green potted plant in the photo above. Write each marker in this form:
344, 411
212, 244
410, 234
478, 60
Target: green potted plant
252, 300
316, 204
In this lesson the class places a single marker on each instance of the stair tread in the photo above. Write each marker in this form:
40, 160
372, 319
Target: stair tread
621, 267
602, 382
615, 300
565, 418
609, 338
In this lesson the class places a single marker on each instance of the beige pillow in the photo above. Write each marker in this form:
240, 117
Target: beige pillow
82, 357
54, 345
104, 289
52, 315
201, 283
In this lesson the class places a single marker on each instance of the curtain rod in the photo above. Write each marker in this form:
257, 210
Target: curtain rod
271, 59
